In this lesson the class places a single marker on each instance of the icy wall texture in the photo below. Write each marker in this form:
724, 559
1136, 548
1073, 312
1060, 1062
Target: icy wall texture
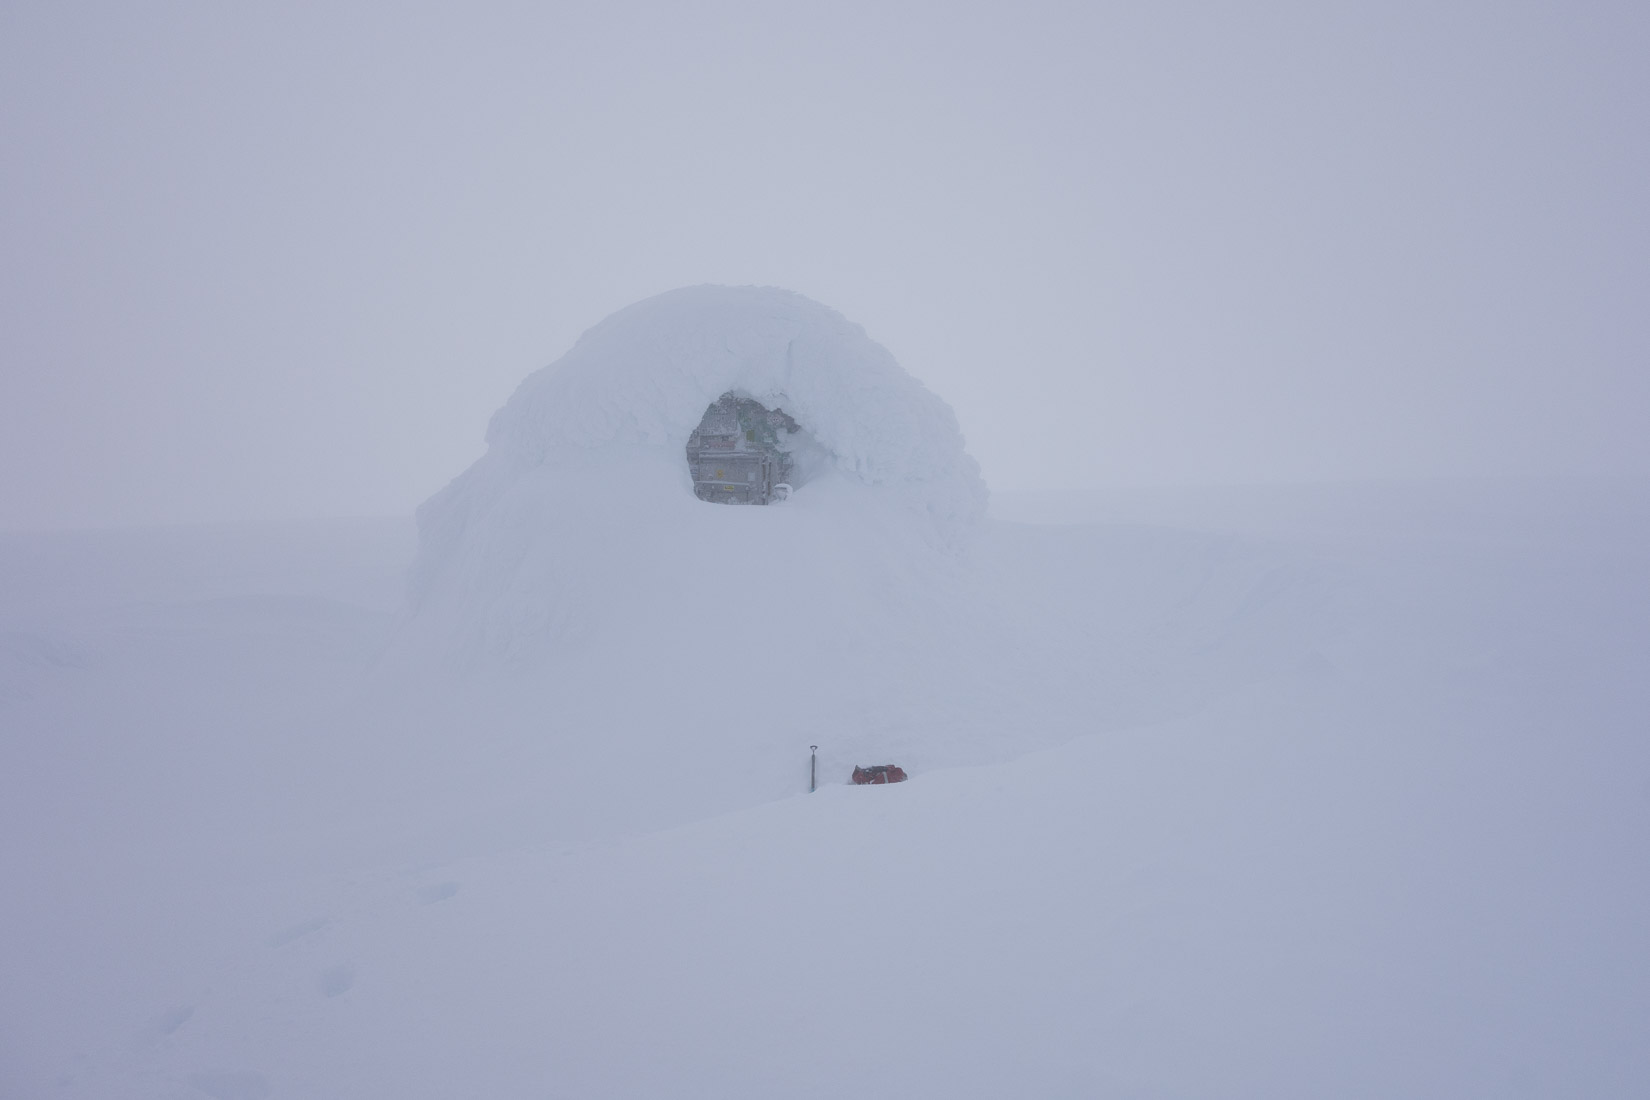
585, 460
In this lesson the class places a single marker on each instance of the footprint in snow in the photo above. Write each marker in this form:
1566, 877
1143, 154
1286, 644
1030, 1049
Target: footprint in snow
231, 1085
169, 1021
337, 980
297, 931
441, 891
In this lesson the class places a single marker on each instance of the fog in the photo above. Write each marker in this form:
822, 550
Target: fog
1275, 729
285, 261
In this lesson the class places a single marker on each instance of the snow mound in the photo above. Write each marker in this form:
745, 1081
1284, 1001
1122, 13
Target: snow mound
585, 487
643, 378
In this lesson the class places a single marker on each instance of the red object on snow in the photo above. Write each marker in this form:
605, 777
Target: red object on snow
879, 773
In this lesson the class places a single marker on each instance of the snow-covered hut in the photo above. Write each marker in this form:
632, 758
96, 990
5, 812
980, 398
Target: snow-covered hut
584, 475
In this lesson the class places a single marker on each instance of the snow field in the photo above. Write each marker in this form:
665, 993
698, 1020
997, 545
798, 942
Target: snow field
1313, 793
1401, 855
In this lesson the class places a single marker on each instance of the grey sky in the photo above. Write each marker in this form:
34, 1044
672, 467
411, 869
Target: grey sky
285, 260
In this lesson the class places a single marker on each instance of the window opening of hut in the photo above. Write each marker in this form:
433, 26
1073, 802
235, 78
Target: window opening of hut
745, 453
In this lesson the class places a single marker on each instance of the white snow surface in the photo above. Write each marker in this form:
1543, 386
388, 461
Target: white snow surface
1305, 792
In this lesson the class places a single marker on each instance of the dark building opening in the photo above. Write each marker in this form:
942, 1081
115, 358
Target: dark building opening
741, 453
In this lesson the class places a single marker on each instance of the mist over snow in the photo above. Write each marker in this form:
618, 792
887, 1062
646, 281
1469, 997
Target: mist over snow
384, 716
1301, 792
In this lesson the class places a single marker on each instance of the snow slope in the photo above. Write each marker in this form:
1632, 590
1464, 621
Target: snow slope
1288, 793
1407, 859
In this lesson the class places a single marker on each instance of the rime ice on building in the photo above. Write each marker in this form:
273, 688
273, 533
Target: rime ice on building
739, 454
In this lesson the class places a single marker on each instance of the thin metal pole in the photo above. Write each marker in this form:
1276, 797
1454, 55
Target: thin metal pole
813, 768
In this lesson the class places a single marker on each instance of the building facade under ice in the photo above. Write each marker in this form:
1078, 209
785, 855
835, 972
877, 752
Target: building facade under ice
740, 453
